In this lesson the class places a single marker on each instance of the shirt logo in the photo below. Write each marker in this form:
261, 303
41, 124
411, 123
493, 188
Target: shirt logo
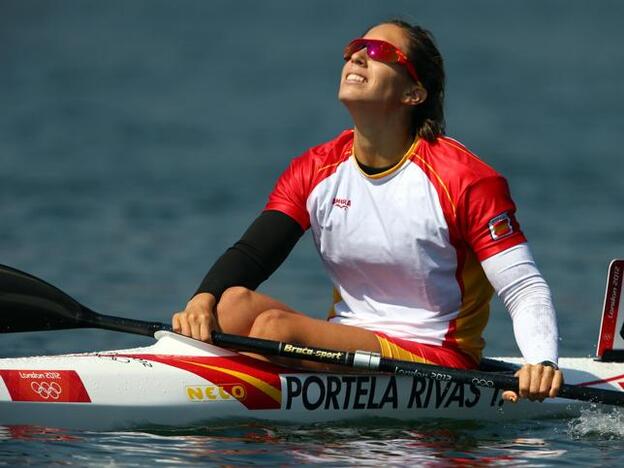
500, 226
341, 202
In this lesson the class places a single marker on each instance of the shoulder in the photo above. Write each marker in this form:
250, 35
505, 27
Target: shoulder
315, 164
318, 162
459, 176
292, 189
451, 159
452, 167
327, 154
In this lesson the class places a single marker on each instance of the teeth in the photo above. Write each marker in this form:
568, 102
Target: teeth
355, 78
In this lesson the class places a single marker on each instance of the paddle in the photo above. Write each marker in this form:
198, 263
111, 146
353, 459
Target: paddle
28, 303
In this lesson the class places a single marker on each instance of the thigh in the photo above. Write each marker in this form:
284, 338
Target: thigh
314, 332
306, 331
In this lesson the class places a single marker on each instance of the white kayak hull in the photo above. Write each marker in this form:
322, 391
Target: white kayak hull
181, 382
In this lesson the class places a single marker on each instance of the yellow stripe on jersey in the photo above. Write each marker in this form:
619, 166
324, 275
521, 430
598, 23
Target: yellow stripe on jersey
329, 166
440, 181
475, 309
336, 298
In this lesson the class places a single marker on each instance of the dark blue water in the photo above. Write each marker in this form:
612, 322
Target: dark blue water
138, 139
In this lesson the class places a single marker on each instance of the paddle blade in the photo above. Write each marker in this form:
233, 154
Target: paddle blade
28, 303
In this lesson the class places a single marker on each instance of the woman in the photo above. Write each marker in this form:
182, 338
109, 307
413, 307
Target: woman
409, 224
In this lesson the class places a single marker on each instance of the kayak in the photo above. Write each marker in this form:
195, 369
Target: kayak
181, 382
178, 381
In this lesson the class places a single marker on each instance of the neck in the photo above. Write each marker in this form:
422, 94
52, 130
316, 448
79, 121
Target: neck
381, 139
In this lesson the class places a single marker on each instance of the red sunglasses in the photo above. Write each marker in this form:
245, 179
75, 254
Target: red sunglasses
381, 51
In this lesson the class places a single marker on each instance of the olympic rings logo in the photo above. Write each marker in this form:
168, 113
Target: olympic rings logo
482, 382
46, 390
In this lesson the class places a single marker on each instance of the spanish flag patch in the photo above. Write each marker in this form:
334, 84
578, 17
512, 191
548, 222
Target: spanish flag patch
500, 226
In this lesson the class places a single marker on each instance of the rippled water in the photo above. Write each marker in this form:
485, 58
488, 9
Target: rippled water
138, 139
590, 440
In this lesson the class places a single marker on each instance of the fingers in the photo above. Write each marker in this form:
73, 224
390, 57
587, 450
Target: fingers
204, 331
180, 323
556, 385
196, 321
541, 378
524, 381
175, 322
510, 396
536, 382
545, 382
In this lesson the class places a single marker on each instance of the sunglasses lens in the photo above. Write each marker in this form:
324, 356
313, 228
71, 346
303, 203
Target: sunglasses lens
353, 47
378, 51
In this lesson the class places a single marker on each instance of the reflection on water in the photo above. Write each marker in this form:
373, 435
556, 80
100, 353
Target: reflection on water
367, 442
385, 442
35, 432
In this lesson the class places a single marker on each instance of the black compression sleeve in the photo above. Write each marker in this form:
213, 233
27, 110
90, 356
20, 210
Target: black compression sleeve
249, 262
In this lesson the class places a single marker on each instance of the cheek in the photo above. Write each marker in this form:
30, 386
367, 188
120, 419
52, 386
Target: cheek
388, 82
343, 70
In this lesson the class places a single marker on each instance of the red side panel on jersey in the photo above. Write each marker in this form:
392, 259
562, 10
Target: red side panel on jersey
292, 189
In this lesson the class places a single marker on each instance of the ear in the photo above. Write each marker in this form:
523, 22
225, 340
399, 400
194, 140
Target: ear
416, 94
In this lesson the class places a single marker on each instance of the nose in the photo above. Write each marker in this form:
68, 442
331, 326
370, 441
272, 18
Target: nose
359, 57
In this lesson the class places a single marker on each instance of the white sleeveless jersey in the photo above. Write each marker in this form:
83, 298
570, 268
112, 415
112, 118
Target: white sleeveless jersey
403, 247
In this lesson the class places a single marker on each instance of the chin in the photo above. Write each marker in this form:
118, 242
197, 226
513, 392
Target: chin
353, 102
347, 95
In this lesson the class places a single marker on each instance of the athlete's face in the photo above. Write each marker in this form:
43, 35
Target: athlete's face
364, 80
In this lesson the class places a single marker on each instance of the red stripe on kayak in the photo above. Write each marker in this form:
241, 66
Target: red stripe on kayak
256, 384
47, 386
601, 381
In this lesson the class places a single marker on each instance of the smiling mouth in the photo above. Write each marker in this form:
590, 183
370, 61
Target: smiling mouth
355, 78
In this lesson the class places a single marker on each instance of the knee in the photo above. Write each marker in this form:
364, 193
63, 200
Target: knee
273, 324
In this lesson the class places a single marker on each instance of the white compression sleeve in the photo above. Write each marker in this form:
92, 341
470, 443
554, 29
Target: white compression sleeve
527, 297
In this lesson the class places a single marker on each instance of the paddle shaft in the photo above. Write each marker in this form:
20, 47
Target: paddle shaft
373, 362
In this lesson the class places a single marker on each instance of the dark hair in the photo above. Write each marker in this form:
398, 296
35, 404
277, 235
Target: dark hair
428, 117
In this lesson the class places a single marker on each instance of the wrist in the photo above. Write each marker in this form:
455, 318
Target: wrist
549, 364
206, 300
